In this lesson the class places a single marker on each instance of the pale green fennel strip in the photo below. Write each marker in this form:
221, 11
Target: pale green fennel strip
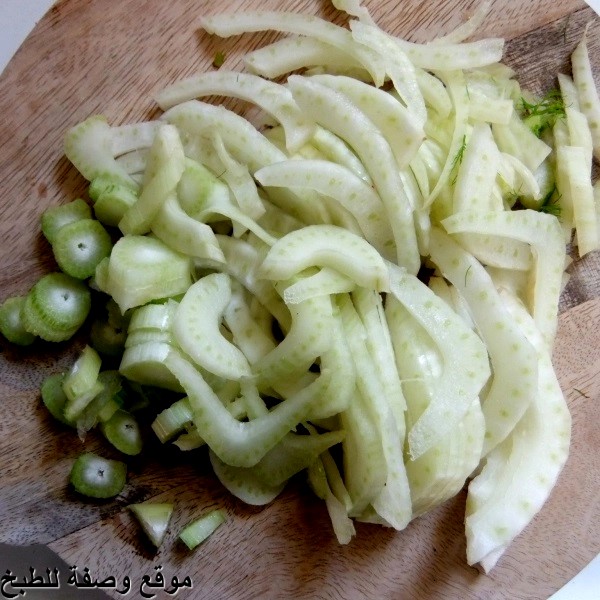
512, 389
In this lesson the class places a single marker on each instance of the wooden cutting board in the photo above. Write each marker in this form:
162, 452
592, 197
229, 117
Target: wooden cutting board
105, 56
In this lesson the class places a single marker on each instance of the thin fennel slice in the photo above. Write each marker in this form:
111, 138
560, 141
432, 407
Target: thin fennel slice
235, 443
512, 389
464, 359
196, 328
274, 98
324, 282
519, 474
88, 146
397, 66
543, 233
337, 113
186, 235
440, 472
326, 246
386, 112
235, 23
141, 269
296, 52
392, 500
346, 188
164, 167
587, 93
308, 337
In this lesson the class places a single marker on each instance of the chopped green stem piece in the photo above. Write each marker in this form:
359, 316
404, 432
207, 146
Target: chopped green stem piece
123, 432
11, 323
172, 420
154, 518
104, 404
55, 307
219, 59
98, 477
56, 217
81, 385
79, 247
113, 202
54, 398
107, 339
195, 533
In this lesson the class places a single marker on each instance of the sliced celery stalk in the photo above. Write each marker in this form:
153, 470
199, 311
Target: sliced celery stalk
195, 533
81, 384
11, 323
154, 518
54, 398
196, 328
142, 269
97, 477
172, 420
79, 246
56, 217
123, 432
244, 484
55, 307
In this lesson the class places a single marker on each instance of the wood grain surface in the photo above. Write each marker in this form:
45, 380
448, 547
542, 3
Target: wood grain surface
108, 57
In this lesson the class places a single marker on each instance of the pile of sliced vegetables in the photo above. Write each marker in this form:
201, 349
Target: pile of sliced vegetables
377, 268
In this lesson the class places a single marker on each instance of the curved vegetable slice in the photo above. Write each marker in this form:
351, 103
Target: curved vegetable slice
440, 472
154, 518
335, 112
344, 187
56, 307
273, 98
81, 384
88, 146
243, 483
309, 336
326, 246
142, 269
97, 477
54, 397
387, 114
392, 499
184, 234
196, 328
236, 443
543, 233
164, 166
235, 23
322, 283
511, 390
519, 474
464, 360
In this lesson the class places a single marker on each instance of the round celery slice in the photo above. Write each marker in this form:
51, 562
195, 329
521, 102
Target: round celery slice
54, 397
55, 307
56, 217
79, 247
123, 432
154, 519
98, 477
11, 324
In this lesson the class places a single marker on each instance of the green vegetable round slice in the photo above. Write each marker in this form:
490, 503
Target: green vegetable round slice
123, 432
98, 477
79, 247
11, 324
54, 397
56, 217
55, 307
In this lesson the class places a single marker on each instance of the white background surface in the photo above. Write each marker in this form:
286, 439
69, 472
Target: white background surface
18, 18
